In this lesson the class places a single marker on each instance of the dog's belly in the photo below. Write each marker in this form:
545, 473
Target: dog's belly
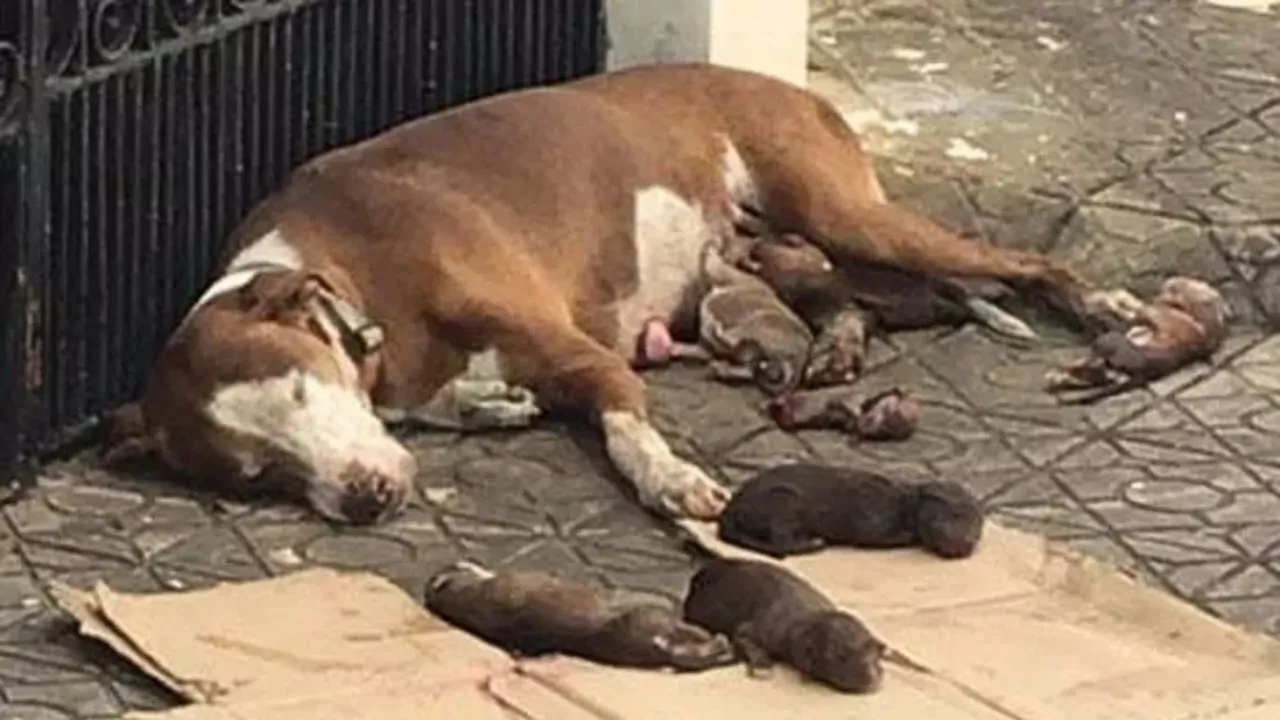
671, 238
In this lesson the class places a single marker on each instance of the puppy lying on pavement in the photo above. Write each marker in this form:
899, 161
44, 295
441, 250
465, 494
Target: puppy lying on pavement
804, 507
1143, 342
884, 299
774, 616
806, 280
535, 614
889, 415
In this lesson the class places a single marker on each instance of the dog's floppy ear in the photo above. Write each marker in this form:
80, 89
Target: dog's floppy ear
277, 295
128, 438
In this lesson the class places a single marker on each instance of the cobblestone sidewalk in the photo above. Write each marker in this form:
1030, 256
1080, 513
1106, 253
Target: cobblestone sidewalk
1134, 137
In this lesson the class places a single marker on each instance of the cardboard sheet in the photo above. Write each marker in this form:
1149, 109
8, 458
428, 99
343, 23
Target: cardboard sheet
1023, 630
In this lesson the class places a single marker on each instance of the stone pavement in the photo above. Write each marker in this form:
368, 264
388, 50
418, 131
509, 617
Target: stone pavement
1134, 137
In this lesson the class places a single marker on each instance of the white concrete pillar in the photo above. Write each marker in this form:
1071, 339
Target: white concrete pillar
768, 36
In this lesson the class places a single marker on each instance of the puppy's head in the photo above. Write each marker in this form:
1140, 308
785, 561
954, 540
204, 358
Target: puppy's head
773, 372
837, 649
1197, 298
788, 258
890, 415
949, 519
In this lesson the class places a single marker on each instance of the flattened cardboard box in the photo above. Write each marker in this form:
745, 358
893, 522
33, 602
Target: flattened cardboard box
1023, 630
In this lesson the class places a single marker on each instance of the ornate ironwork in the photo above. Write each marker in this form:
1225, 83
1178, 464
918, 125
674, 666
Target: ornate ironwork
113, 25
12, 85
135, 133
182, 17
65, 20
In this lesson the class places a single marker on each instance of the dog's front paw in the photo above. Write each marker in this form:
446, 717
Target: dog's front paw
681, 489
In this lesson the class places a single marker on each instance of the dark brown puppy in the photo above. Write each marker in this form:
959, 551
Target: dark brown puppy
774, 616
1141, 342
806, 279
889, 415
535, 614
808, 283
804, 507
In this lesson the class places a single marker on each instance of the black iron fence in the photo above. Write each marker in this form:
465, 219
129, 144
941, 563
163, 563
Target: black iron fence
135, 133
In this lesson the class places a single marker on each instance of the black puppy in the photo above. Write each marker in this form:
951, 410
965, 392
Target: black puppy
772, 615
801, 508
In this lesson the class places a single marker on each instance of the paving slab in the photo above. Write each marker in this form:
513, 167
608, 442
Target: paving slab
1132, 137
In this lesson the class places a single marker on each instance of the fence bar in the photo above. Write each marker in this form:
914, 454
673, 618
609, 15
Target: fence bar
134, 134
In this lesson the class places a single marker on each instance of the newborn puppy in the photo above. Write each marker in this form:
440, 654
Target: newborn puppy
746, 325
1141, 343
808, 282
889, 415
773, 615
744, 329
804, 507
535, 613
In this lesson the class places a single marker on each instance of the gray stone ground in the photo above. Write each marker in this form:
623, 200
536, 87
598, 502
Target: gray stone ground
1133, 137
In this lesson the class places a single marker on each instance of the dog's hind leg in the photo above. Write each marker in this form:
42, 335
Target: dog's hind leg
825, 188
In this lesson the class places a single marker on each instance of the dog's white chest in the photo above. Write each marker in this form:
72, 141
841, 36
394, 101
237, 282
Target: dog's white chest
671, 236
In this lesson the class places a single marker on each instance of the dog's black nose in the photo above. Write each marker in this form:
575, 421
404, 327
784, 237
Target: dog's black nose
370, 497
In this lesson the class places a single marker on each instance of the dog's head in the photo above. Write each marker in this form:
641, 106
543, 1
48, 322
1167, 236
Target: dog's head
265, 387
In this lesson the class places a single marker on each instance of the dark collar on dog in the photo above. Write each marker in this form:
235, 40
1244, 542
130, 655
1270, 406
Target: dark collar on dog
360, 336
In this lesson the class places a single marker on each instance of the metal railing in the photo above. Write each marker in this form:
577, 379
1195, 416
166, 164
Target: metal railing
134, 134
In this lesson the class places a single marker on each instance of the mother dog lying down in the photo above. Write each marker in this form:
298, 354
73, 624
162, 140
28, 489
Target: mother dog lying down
528, 237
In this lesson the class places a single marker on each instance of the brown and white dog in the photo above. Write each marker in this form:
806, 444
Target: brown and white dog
519, 242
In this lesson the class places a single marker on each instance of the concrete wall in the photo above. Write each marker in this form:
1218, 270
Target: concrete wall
768, 36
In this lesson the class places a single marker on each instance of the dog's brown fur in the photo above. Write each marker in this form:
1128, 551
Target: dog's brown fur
508, 224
